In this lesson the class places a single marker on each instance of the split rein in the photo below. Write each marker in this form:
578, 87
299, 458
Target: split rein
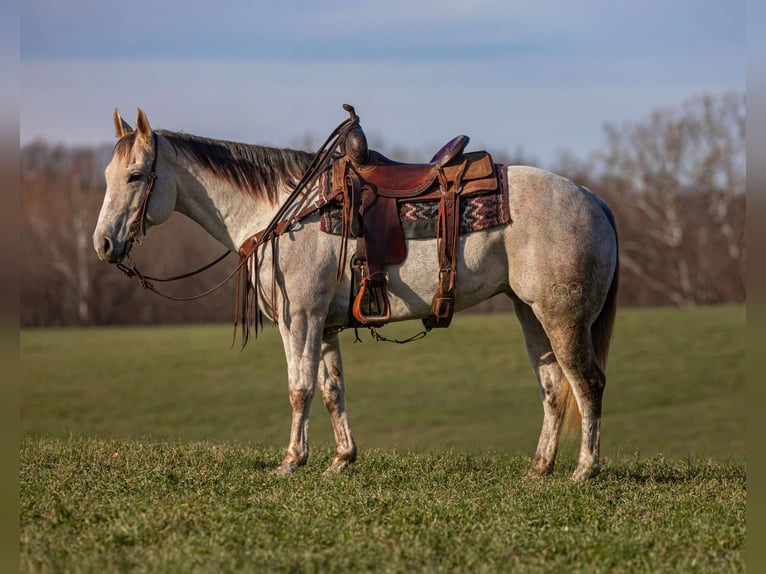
278, 225
131, 270
138, 225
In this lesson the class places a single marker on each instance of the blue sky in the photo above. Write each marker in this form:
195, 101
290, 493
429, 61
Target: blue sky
537, 76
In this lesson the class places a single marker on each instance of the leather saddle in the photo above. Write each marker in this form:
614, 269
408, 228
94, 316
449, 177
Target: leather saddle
371, 186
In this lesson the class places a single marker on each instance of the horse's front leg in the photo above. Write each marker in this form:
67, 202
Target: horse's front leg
333, 390
302, 339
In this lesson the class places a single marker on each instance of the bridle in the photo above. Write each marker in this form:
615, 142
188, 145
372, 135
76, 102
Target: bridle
138, 224
138, 227
278, 225
139, 221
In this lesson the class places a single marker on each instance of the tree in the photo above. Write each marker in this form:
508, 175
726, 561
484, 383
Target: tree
56, 204
62, 280
676, 182
680, 177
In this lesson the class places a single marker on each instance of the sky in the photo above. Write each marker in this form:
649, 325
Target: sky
532, 77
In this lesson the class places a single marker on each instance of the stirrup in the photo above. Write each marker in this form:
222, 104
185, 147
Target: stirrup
371, 305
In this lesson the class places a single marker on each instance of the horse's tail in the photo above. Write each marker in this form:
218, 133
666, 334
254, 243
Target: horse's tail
601, 330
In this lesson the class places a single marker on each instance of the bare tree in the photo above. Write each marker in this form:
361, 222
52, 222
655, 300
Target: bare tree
675, 181
57, 211
62, 280
682, 178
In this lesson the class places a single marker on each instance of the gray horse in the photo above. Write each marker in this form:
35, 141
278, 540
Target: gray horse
557, 260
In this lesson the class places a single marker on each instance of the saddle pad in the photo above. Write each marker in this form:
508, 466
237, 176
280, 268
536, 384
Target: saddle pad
419, 218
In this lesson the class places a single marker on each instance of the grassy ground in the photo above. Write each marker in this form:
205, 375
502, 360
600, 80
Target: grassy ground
96, 505
676, 386
152, 449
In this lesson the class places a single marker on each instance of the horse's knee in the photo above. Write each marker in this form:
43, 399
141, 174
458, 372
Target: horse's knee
332, 389
332, 396
300, 397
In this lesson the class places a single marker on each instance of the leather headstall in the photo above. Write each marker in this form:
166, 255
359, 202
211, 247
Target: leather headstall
138, 225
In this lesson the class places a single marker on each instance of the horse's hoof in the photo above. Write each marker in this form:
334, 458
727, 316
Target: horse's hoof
581, 474
286, 468
337, 466
540, 468
536, 472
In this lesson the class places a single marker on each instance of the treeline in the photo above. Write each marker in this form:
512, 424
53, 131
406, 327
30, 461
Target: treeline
676, 182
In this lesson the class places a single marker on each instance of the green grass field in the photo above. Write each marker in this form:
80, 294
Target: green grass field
151, 449
96, 505
676, 386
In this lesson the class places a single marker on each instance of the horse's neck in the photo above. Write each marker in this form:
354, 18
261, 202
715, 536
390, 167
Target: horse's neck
225, 212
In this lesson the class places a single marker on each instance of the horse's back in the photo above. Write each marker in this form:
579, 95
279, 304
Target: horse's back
559, 248
542, 202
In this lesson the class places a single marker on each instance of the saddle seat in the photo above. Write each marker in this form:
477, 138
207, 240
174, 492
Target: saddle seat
407, 180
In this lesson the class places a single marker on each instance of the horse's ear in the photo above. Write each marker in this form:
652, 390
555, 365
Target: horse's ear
142, 126
121, 127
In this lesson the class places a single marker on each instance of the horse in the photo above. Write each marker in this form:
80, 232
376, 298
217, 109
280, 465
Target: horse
557, 259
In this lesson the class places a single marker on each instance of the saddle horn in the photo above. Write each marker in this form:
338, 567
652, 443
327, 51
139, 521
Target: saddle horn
354, 144
350, 109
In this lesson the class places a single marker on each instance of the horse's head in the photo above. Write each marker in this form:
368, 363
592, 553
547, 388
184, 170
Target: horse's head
140, 190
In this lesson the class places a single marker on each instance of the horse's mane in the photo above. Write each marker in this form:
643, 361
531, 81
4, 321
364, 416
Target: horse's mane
255, 170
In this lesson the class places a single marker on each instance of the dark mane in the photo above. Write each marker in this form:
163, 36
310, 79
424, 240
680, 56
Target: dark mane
255, 170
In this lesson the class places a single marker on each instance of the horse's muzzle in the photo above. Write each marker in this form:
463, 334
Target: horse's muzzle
107, 249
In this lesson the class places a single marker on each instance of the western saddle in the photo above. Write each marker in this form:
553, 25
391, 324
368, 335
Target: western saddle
371, 186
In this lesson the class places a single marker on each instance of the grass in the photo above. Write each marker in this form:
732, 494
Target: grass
676, 386
98, 505
152, 449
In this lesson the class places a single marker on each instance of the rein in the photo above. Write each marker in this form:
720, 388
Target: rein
246, 295
277, 226
138, 226
131, 270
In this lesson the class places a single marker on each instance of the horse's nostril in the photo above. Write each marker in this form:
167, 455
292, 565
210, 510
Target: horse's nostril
107, 246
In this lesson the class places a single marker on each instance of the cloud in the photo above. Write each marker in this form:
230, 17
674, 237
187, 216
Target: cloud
542, 76
359, 31
276, 104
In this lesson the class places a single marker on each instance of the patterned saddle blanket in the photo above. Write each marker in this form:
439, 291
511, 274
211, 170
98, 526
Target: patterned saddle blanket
419, 218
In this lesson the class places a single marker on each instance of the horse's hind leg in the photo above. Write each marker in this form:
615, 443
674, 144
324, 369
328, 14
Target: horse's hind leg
553, 387
333, 389
572, 343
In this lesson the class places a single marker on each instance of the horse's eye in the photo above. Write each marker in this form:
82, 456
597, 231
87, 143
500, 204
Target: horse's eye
134, 177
